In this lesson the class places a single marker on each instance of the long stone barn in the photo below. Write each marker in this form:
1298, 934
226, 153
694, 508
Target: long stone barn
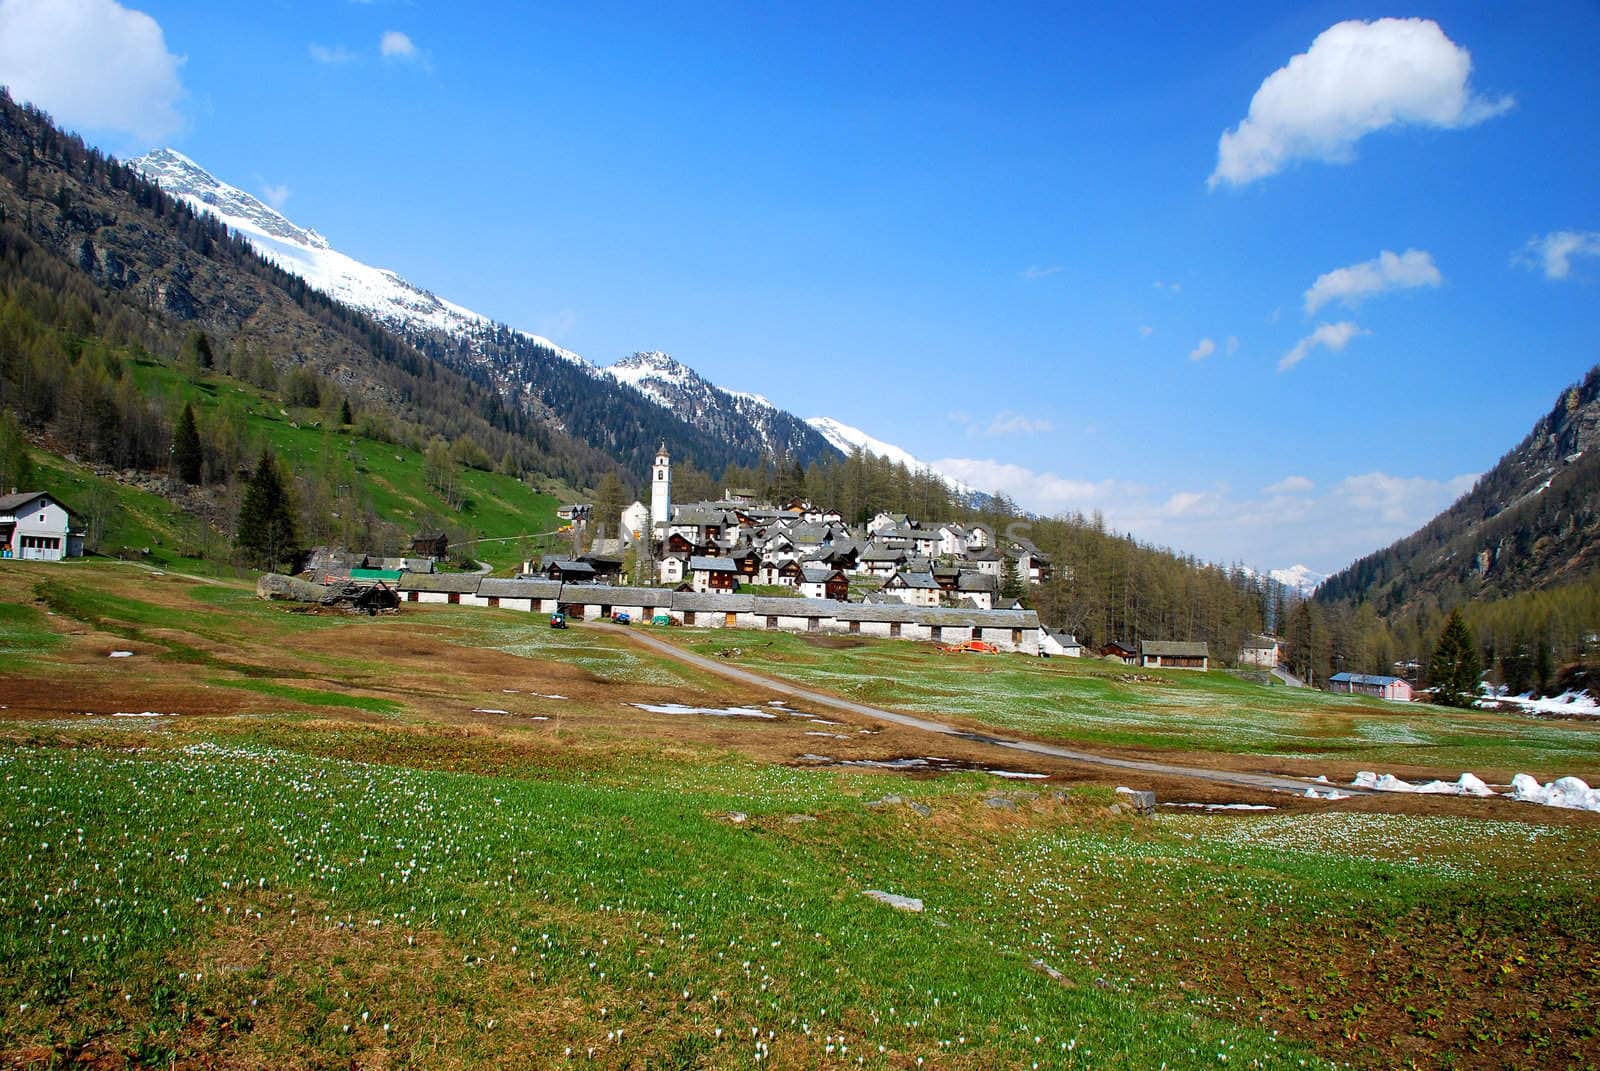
1008, 630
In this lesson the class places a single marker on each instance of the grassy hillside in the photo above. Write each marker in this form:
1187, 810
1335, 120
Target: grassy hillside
497, 509
448, 838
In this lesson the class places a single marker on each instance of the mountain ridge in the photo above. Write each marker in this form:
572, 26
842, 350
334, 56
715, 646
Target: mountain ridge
510, 357
1531, 522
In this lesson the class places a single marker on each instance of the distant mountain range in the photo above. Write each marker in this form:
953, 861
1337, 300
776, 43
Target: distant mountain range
1531, 522
520, 364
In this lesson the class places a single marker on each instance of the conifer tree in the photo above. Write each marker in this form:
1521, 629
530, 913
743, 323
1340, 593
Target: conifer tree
197, 352
267, 535
186, 455
610, 498
1453, 670
1011, 586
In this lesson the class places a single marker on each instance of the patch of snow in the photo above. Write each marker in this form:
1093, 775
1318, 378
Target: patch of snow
1570, 792
1466, 785
1569, 703
489, 710
1018, 775
1225, 806
121, 654
716, 712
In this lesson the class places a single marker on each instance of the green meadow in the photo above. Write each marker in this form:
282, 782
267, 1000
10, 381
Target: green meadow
1091, 701
351, 870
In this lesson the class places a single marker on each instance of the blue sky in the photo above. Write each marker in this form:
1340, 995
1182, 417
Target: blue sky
1010, 242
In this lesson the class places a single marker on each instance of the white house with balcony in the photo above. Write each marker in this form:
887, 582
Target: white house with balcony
35, 526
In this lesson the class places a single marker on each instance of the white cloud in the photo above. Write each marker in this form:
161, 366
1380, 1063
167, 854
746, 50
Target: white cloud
1204, 349
1036, 272
1356, 78
1289, 485
1388, 271
1041, 492
397, 45
1009, 423
1233, 345
1004, 422
324, 54
1145, 330
1554, 252
276, 196
93, 65
1283, 523
1331, 336
1171, 288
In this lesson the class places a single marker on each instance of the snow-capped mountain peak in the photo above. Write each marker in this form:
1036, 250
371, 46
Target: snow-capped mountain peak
379, 292
670, 383
177, 174
1299, 577
847, 438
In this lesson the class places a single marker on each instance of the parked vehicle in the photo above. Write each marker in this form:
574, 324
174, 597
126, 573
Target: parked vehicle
622, 617
558, 620
661, 619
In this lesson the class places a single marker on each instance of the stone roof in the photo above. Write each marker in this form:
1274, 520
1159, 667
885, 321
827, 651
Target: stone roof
969, 581
920, 581
507, 588
12, 502
442, 583
1173, 649
701, 563
712, 601
615, 596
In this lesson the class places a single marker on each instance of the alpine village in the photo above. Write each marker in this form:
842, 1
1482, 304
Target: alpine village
385, 686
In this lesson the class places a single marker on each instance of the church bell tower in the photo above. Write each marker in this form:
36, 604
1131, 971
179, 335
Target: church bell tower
661, 488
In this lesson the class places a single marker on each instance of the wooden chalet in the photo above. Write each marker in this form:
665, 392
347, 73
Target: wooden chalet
821, 582
713, 574
568, 571
432, 545
1122, 652
1169, 654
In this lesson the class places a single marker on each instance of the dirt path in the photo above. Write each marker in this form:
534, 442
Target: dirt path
1270, 782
